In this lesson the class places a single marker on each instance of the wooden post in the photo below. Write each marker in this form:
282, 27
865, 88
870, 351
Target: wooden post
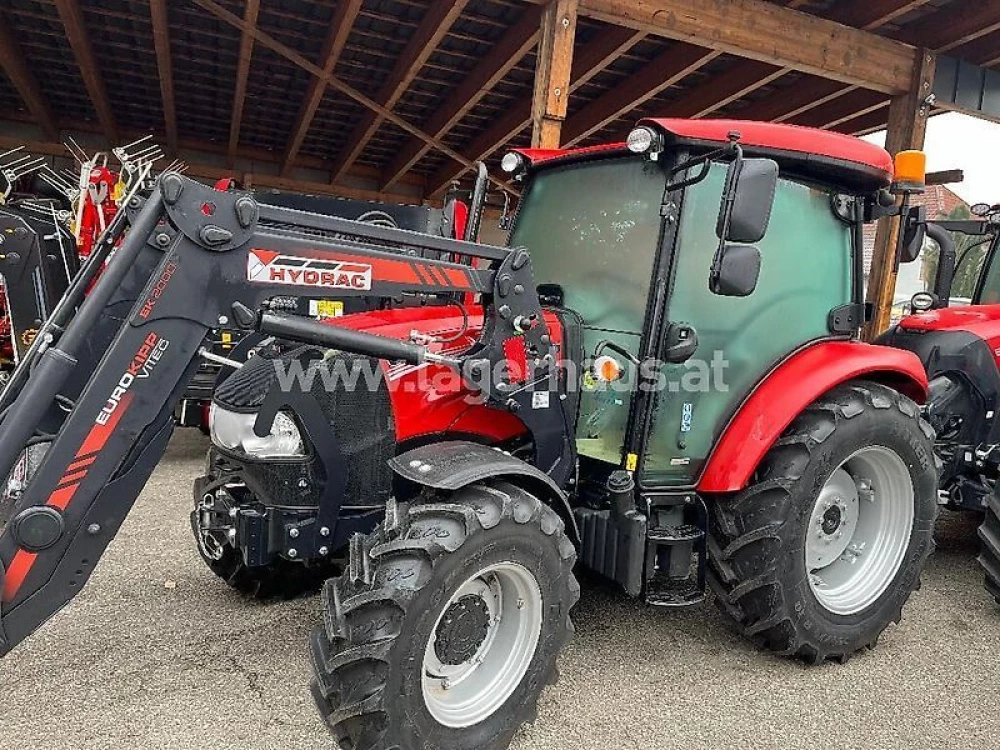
552, 73
906, 130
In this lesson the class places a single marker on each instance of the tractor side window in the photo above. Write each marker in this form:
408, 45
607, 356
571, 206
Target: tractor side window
989, 293
593, 228
806, 271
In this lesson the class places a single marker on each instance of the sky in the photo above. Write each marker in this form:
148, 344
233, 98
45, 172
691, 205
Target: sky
956, 141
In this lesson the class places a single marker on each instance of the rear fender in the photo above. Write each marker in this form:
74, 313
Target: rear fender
791, 387
453, 464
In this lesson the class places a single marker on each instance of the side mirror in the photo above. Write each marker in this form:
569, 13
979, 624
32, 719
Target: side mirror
923, 301
477, 204
747, 200
738, 271
911, 237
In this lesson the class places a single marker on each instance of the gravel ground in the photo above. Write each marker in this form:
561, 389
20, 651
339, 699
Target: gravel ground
157, 653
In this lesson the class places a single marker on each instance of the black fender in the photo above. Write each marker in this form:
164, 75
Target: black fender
454, 464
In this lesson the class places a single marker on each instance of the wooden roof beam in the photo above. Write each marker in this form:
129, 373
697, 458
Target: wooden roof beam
161, 43
428, 35
601, 51
250, 13
807, 94
79, 41
349, 91
842, 109
871, 14
984, 51
553, 67
340, 28
870, 122
770, 33
12, 62
588, 61
676, 63
509, 50
953, 26
725, 88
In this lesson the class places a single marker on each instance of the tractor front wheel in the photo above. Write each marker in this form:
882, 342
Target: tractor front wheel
989, 549
447, 623
820, 553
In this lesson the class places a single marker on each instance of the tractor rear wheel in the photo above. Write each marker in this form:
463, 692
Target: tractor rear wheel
447, 623
989, 550
820, 553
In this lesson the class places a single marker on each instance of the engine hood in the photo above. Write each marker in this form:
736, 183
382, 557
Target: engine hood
980, 320
424, 397
399, 323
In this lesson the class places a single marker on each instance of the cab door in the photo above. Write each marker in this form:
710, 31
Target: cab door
806, 271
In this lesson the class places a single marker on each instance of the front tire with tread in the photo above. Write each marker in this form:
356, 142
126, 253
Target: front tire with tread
380, 614
989, 549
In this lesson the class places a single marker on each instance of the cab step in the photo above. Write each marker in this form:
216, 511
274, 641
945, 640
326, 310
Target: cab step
675, 534
663, 591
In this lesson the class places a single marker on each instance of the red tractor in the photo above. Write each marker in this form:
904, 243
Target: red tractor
659, 377
960, 349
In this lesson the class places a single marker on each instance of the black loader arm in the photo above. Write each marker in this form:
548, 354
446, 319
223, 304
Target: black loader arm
108, 368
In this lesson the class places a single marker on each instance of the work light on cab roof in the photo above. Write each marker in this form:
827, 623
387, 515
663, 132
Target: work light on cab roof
644, 140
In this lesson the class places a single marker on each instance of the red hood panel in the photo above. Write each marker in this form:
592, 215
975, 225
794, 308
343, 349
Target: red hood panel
428, 399
980, 320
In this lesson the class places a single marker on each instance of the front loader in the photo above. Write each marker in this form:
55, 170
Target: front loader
663, 380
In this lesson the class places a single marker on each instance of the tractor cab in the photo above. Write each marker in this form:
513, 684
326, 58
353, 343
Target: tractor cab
695, 256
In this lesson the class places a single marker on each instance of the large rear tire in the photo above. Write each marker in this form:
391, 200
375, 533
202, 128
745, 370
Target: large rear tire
989, 550
447, 624
820, 553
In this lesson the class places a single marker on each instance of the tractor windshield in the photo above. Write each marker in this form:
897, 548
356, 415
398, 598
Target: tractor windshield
593, 229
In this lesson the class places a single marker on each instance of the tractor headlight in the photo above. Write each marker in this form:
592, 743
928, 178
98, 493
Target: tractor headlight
644, 140
234, 431
512, 163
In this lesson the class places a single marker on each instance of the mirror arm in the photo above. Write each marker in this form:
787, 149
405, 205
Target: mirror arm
900, 232
705, 160
730, 200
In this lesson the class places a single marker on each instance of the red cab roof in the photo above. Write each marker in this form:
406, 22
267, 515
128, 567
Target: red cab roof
814, 153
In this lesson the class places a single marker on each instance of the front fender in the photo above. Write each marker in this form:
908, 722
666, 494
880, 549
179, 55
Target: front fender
453, 464
791, 387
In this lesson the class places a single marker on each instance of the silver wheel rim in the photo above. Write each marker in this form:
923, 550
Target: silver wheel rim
461, 695
859, 530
